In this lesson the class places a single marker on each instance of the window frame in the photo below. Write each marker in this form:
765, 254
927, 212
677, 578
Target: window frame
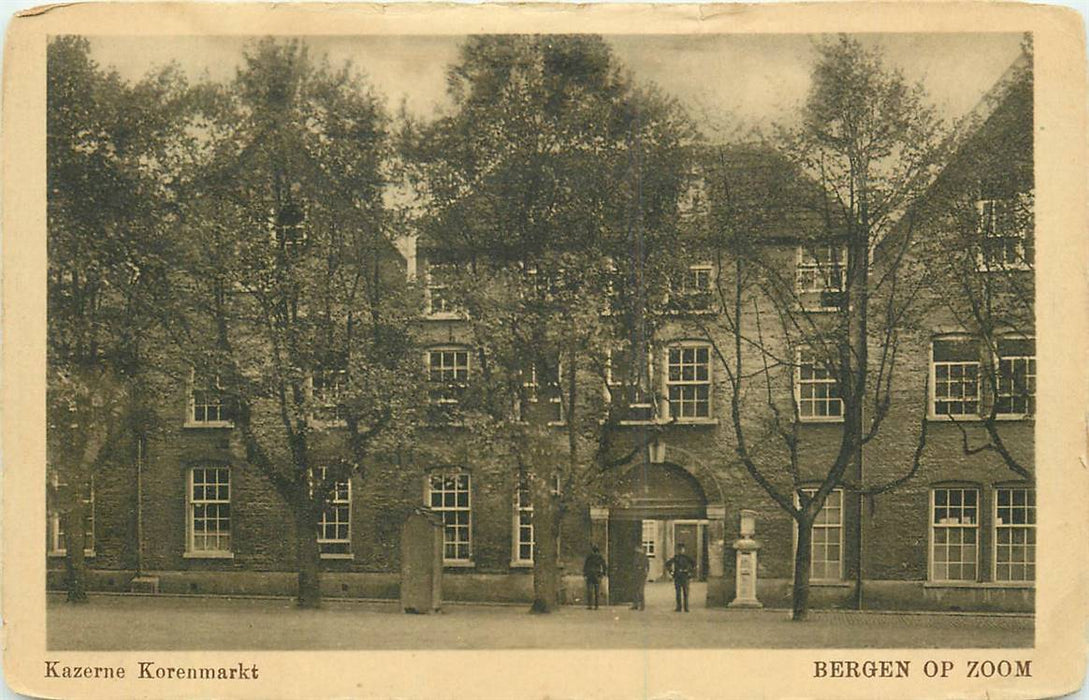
932, 392
1028, 527
1030, 361
649, 544
827, 381
429, 481
993, 233
57, 546
688, 296
449, 310
191, 503
532, 388
318, 474
322, 404
522, 507
447, 402
191, 404
669, 384
811, 297
841, 526
932, 528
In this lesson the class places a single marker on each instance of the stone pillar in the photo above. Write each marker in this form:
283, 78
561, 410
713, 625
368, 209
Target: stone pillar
747, 547
599, 535
716, 546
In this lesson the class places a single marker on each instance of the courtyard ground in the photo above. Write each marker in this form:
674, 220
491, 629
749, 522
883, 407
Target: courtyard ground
115, 622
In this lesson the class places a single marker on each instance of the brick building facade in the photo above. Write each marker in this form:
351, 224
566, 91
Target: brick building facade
190, 513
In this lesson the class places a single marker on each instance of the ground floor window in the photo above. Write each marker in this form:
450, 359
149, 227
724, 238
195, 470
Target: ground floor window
650, 537
209, 509
523, 526
449, 495
57, 535
827, 542
1015, 534
335, 524
954, 534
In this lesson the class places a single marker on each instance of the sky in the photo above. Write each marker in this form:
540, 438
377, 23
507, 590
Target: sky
729, 83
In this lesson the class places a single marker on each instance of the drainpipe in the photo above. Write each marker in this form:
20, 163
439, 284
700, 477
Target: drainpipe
139, 506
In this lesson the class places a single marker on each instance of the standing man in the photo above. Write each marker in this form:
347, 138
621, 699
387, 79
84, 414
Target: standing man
681, 567
593, 569
642, 568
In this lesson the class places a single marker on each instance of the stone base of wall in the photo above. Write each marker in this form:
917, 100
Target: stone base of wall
518, 588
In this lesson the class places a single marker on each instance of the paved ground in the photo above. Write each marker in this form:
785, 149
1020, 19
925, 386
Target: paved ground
181, 623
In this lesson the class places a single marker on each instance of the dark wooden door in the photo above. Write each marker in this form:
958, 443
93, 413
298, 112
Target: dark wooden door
624, 537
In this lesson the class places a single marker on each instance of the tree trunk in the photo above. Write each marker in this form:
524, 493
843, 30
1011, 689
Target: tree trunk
802, 557
546, 588
308, 557
74, 543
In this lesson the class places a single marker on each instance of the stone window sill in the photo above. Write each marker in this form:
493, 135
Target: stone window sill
980, 584
214, 425
87, 553
459, 564
208, 555
332, 555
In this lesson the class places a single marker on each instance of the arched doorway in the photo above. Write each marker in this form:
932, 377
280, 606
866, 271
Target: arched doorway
656, 506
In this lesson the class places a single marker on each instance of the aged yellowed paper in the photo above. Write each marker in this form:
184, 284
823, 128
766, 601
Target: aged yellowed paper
545, 351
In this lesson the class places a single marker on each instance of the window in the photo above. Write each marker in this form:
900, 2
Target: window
209, 510
523, 526
57, 544
448, 375
816, 390
437, 291
650, 537
1002, 244
693, 291
208, 405
551, 408
688, 382
821, 275
335, 524
291, 226
955, 377
328, 388
1015, 393
1015, 534
827, 555
954, 534
448, 495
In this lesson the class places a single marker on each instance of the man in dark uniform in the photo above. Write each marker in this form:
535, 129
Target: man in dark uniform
593, 570
681, 567
641, 566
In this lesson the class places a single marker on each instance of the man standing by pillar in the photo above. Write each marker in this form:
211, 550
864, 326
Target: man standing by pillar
641, 568
681, 567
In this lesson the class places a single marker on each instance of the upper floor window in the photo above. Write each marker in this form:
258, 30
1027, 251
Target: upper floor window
329, 387
954, 377
448, 377
694, 290
688, 381
543, 394
1015, 393
816, 391
208, 402
954, 534
290, 225
449, 494
1003, 235
821, 276
437, 291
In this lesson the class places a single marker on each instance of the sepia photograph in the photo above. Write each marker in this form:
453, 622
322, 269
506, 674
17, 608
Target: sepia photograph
384, 353
495, 324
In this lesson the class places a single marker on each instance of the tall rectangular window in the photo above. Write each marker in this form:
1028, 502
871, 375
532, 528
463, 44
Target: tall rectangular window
1016, 390
1015, 534
650, 537
821, 275
827, 559
542, 392
449, 496
816, 390
57, 536
954, 534
448, 376
955, 377
688, 382
209, 509
437, 291
523, 527
335, 524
